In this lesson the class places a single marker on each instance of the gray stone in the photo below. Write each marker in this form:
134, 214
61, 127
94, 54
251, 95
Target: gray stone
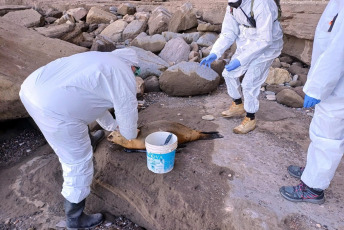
129, 18
193, 55
208, 117
299, 91
271, 97
275, 88
150, 63
152, 84
100, 29
188, 79
103, 44
9, 8
207, 39
295, 83
297, 70
114, 30
142, 16
27, 18
97, 15
35, 51
153, 43
286, 59
77, 13
183, 19
303, 78
207, 27
134, 28
194, 47
290, 98
175, 51
158, 21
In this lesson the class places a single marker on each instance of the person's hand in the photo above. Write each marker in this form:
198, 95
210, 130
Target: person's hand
208, 60
233, 65
310, 102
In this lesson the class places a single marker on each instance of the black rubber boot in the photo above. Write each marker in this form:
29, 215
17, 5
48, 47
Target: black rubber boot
303, 193
295, 171
96, 138
77, 219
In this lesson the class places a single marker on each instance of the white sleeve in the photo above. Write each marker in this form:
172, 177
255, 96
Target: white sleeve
229, 33
264, 24
328, 68
107, 122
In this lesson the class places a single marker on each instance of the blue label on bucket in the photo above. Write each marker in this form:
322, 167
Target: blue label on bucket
160, 163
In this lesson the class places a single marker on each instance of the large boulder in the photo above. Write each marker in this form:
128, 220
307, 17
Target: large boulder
134, 28
103, 44
188, 79
183, 19
77, 13
158, 21
299, 20
175, 51
97, 15
9, 8
126, 8
289, 98
188, 37
207, 39
207, 27
114, 30
151, 64
55, 31
27, 18
277, 76
23, 51
153, 43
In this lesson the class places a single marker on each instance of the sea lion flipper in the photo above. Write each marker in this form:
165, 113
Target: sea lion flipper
210, 135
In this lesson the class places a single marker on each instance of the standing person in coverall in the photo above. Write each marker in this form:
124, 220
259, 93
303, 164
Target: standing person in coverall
259, 40
66, 95
324, 89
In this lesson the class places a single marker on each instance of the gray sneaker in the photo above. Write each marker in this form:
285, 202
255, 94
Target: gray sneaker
295, 171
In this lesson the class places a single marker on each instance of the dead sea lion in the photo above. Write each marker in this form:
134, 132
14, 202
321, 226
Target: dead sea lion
184, 134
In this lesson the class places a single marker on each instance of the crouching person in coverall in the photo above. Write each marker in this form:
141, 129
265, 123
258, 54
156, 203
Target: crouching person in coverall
259, 41
325, 89
66, 95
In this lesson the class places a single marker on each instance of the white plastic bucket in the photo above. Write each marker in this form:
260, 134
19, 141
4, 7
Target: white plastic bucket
160, 157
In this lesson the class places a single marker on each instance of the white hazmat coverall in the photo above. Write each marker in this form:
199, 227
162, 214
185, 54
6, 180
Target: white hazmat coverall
66, 95
256, 48
326, 82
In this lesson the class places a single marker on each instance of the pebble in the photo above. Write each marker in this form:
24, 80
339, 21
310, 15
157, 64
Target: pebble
208, 117
310, 114
269, 93
271, 97
295, 77
318, 225
262, 89
179, 114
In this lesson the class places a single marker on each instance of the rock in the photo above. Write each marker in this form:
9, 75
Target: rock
297, 70
77, 13
207, 27
129, 18
191, 37
194, 47
188, 79
55, 31
277, 76
153, 43
134, 28
97, 15
75, 36
175, 51
158, 21
206, 51
183, 19
150, 63
103, 44
142, 16
100, 29
286, 59
295, 83
208, 117
276, 88
285, 65
298, 64
140, 87
303, 78
53, 13
66, 18
218, 66
27, 18
92, 27
35, 51
152, 84
299, 91
207, 39
271, 97
290, 98
276, 63
270, 92
87, 37
193, 55
9, 8
114, 30
295, 78
126, 8
50, 20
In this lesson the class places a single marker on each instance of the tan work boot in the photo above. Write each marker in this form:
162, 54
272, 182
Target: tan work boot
246, 126
234, 110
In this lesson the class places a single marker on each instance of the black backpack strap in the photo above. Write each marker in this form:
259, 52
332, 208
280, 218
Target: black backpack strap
332, 23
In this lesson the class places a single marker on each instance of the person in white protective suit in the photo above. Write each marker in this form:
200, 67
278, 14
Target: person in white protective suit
66, 95
259, 40
324, 89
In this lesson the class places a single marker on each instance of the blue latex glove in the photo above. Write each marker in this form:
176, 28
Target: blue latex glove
233, 65
310, 102
208, 60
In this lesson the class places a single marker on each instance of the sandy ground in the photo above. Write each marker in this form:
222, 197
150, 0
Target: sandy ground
228, 183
